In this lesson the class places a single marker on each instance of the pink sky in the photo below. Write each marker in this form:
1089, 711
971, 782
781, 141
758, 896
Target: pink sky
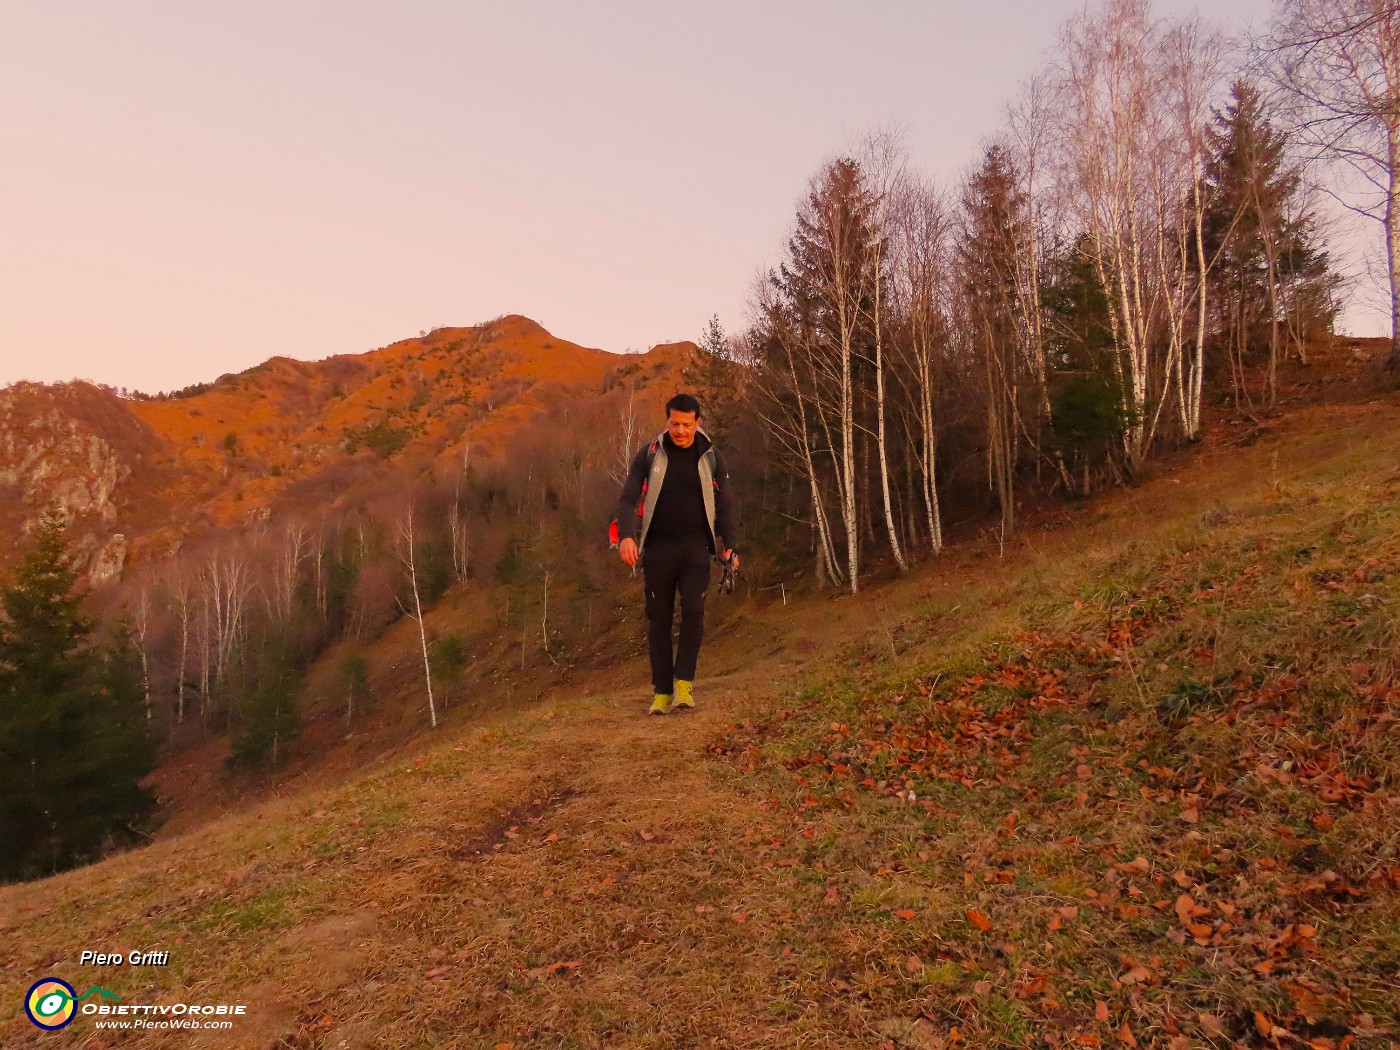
191, 188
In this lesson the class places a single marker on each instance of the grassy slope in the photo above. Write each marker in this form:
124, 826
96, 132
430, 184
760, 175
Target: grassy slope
1153, 755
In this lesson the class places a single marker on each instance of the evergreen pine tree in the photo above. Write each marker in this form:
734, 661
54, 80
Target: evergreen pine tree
73, 744
1255, 222
1086, 398
829, 276
710, 376
826, 287
994, 214
271, 717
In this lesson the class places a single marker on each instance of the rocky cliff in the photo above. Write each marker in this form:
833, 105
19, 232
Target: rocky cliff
73, 447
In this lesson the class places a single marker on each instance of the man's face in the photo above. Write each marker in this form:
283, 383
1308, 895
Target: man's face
682, 426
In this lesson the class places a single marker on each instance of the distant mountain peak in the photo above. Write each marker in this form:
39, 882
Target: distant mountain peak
144, 476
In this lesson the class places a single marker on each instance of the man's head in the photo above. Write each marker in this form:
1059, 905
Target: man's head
682, 419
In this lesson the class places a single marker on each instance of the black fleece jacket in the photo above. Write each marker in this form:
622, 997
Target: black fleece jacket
691, 502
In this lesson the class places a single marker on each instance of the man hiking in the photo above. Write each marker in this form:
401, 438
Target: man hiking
678, 508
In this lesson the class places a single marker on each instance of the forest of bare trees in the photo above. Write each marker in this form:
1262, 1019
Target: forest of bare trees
226, 629
1142, 233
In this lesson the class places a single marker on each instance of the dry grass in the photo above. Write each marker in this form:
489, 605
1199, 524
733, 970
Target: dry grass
1201, 674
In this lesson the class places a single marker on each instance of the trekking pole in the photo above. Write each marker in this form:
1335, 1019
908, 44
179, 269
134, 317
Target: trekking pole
726, 581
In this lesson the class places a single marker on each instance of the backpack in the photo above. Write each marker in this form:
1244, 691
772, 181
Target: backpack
614, 538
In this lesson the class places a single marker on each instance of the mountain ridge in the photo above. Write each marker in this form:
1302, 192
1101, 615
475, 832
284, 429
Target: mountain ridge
140, 476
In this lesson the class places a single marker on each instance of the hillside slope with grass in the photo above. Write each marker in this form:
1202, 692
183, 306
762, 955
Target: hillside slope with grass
1130, 783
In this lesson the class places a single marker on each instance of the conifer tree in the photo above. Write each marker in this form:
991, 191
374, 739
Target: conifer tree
1272, 281
73, 743
711, 376
1085, 392
271, 718
993, 214
824, 291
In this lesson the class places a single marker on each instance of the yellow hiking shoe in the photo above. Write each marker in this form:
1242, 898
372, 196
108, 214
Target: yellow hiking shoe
684, 697
660, 704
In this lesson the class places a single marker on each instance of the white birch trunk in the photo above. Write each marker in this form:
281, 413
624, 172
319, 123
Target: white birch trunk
408, 560
182, 607
143, 619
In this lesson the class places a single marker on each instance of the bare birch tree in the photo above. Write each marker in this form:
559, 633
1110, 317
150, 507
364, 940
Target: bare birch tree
409, 564
1135, 94
883, 167
290, 549
205, 632
826, 280
319, 581
629, 427
142, 624
544, 617
1031, 131
179, 588
919, 275
1105, 84
1339, 63
226, 587
785, 409
1191, 62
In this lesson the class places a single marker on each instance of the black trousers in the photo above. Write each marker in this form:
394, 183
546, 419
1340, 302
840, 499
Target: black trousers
671, 566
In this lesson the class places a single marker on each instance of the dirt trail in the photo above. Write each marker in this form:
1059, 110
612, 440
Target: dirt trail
612, 890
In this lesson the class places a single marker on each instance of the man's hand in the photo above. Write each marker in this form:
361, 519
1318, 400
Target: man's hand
627, 551
732, 558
